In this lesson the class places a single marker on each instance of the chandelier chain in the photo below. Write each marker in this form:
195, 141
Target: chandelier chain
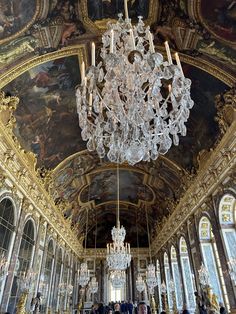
148, 231
118, 196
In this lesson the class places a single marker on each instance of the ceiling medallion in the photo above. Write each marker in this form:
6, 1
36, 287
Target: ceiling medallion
133, 104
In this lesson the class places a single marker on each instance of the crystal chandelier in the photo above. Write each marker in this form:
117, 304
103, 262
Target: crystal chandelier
26, 280
117, 278
203, 276
133, 104
83, 275
93, 285
140, 284
151, 278
118, 253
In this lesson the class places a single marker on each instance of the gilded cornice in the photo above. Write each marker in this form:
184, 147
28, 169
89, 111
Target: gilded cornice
101, 253
19, 167
219, 165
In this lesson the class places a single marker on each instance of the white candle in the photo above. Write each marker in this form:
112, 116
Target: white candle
93, 54
132, 38
112, 42
169, 88
168, 52
179, 63
90, 101
129, 248
85, 81
151, 46
126, 9
82, 72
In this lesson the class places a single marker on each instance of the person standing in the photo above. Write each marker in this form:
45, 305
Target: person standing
130, 307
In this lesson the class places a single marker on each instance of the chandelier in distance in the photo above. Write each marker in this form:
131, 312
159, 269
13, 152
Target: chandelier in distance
117, 278
133, 104
118, 252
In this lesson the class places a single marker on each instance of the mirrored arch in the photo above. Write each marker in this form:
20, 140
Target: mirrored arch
211, 259
176, 278
188, 276
168, 280
24, 261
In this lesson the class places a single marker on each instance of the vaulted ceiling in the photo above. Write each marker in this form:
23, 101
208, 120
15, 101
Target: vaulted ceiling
42, 45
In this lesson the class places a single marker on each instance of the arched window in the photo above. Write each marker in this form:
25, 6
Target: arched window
176, 278
227, 211
187, 275
23, 263
168, 279
46, 278
159, 284
57, 279
211, 260
6, 232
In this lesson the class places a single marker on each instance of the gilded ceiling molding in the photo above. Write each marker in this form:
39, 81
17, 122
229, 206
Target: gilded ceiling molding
19, 167
218, 166
26, 27
101, 253
19, 69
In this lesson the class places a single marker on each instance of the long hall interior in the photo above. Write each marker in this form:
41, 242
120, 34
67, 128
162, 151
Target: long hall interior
117, 156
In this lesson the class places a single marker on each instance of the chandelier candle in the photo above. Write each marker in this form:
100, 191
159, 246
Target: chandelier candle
126, 10
131, 116
178, 63
168, 52
112, 42
82, 72
132, 39
93, 54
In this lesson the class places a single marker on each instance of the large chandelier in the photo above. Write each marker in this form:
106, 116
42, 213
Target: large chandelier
204, 276
93, 285
133, 104
117, 278
151, 278
140, 284
118, 253
83, 275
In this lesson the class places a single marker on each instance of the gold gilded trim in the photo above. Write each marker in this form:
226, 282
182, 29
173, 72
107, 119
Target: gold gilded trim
13, 73
197, 10
26, 27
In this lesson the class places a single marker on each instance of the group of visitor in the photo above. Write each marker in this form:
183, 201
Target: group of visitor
122, 307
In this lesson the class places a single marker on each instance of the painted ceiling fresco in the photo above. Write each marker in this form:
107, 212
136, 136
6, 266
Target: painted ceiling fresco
46, 119
220, 18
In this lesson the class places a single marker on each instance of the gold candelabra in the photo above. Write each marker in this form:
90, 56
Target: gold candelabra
153, 304
20, 308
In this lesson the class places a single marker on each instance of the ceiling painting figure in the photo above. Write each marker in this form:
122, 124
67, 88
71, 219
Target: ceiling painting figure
15, 17
46, 116
220, 18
